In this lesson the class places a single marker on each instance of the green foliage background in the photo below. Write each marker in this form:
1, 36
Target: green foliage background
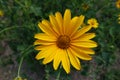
19, 24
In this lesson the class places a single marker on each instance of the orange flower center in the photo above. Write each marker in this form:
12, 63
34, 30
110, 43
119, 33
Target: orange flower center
92, 23
63, 41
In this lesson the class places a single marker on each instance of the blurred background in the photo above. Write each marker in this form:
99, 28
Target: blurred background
18, 24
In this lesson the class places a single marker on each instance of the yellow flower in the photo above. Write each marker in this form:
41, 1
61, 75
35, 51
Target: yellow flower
119, 19
118, 3
19, 78
63, 42
93, 22
1, 13
118, 22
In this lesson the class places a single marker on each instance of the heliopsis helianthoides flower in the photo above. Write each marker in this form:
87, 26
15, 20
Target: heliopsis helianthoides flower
118, 4
63, 41
93, 22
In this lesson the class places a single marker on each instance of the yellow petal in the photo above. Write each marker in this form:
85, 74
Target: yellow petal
45, 26
50, 57
54, 24
72, 25
67, 18
49, 28
86, 50
44, 53
42, 47
38, 42
79, 54
79, 22
65, 61
84, 37
57, 59
59, 20
85, 44
44, 37
81, 31
74, 60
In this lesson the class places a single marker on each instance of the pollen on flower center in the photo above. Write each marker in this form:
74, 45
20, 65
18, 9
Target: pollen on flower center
63, 41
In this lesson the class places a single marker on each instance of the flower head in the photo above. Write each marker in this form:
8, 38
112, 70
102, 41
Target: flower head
119, 19
63, 41
1, 13
19, 78
93, 22
118, 4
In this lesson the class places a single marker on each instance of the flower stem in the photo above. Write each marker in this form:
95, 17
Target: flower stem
21, 60
18, 74
9, 28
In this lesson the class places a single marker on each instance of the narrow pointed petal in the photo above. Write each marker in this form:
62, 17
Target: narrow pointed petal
67, 19
45, 26
85, 37
44, 53
85, 44
65, 61
40, 55
78, 24
81, 31
50, 57
57, 59
59, 20
79, 54
39, 42
42, 47
86, 50
54, 24
72, 25
74, 60
44, 37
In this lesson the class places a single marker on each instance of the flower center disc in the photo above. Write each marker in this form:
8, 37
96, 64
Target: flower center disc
63, 42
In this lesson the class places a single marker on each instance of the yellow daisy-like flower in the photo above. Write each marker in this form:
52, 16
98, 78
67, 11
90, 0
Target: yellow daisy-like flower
63, 41
1, 13
93, 22
118, 3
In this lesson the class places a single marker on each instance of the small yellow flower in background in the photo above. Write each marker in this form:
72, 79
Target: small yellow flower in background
63, 42
85, 6
118, 4
19, 78
1, 13
119, 18
93, 22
